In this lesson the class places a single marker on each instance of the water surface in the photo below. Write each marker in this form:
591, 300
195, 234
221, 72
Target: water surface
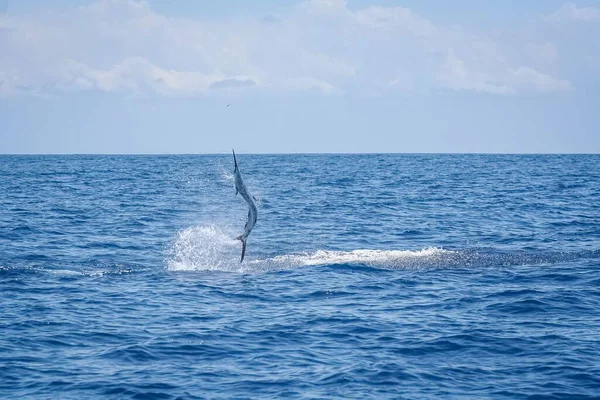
367, 276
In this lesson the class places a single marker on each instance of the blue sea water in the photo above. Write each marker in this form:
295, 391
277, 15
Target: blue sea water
366, 276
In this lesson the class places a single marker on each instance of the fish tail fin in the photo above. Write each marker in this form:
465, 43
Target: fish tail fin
244, 240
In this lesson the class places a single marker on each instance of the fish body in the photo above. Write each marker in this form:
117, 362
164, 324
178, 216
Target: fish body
240, 187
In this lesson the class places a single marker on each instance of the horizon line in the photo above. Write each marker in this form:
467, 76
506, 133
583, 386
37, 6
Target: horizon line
297, 153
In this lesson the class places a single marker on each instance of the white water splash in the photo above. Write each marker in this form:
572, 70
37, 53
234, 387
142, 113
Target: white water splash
204, 248
225, 174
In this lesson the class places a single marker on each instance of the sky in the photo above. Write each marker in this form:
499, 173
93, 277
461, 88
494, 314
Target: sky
299, 76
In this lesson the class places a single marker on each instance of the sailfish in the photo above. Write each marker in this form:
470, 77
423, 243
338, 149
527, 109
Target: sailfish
240, 187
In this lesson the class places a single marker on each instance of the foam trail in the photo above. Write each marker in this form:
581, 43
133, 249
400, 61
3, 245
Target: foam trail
373, 258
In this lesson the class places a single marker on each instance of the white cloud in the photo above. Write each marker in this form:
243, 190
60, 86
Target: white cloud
395, 18
454, 74
326, 6
571, 12
232, 83
321, 46
138, 75
527, 77
309, 84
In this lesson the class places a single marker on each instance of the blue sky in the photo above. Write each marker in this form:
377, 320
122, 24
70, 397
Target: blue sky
126, 76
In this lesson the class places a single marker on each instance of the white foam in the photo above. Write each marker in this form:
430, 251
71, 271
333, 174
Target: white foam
213, 248
381, 258
63, 272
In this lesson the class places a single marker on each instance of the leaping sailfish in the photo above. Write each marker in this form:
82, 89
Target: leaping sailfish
241, 188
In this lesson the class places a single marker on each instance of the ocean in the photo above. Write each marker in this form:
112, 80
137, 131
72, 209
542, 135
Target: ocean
384, 276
